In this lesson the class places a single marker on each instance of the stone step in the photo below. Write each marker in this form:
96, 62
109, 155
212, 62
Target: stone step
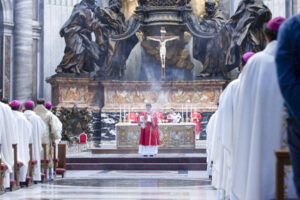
136, 166
99, 160
133, 151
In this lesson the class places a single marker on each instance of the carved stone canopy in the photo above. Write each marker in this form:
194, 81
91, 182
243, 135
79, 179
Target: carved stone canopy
151, 15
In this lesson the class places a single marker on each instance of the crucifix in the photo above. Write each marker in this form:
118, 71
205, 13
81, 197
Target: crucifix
163, 39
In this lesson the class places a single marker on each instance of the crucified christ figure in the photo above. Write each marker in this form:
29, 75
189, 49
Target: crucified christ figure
163, 39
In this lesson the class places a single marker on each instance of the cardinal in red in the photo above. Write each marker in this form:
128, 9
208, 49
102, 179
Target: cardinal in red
149, 138
132, 117
197, 118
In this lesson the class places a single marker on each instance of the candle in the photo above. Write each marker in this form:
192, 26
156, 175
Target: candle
124, 119
187, 113
191, 112
120, 113
182, 117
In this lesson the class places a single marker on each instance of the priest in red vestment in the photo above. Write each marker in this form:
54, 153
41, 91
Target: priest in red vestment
149, 138
197, 118
132, 117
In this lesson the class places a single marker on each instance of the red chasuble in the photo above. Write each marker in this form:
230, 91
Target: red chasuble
132, 117
149, 134
197, 118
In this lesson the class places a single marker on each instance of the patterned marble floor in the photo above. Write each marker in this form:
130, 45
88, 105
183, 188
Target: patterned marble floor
123, 185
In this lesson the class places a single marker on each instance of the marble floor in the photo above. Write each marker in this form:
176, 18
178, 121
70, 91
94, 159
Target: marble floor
123, 185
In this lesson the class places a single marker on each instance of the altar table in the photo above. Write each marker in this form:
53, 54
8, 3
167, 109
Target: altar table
172, 135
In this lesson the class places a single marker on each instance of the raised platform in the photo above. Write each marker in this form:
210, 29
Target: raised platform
163, 161
133, 151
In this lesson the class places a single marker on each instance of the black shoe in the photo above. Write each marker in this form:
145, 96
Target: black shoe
145, 156
151, 156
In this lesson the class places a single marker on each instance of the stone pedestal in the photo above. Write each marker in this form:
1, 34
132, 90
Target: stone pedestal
201, 95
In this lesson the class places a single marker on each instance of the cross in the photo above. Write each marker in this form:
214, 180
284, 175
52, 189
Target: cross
163, 39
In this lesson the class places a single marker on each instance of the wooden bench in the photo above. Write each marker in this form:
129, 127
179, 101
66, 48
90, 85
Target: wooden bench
44, 163
15, 183
283, 159
3, 169
60, 169
31, 164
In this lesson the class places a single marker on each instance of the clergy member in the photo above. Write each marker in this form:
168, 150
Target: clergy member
226, 121
58, 123
52, 134
132, 117
7, 131
259, 124
23, 135
149, 138
197, 118
224, 136
174, 117
210, 132
38, 131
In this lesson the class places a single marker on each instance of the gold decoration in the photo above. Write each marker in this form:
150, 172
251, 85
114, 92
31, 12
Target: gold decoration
128, 8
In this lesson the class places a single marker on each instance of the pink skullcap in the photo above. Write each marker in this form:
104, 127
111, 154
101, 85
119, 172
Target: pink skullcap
247, 56
15, 104
275, 23
48, 105
29, 104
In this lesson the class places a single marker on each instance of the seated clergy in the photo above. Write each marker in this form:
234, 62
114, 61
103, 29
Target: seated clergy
23, 135
7, 129
197, 118
132, 117
174, 117
38, 131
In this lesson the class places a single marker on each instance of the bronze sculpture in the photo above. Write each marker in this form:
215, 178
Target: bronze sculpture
80, 49
217, 44
207, 50
245, 31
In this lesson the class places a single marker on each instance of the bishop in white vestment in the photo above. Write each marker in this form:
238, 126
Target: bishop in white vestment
38, 131
7, 130
23, 135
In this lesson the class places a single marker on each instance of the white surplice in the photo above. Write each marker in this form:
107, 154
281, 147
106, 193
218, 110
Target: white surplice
209, 139
7, 130
259, 122
38, 131
24, 132
225, 137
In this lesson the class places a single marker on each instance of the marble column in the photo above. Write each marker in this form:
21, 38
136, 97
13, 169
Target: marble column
23, 50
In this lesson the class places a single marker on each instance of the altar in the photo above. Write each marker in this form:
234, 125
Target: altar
172, 135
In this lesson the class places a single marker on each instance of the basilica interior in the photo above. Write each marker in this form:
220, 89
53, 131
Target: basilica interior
134, 90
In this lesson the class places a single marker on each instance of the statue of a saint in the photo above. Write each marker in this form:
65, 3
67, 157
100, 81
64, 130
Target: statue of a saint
206, 49
245, 29
80, 51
